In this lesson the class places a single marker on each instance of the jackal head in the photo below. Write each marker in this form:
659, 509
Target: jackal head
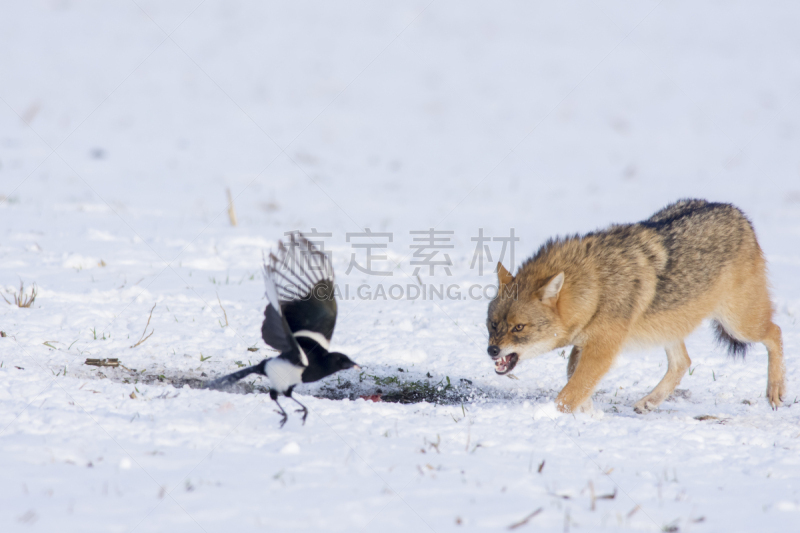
523, 321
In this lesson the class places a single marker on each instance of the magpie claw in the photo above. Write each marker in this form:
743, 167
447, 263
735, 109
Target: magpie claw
302, 409
284, 416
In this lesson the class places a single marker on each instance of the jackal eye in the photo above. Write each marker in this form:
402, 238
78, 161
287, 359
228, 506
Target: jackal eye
494, 325
519, 327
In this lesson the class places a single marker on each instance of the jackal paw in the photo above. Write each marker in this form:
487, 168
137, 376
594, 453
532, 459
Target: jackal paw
586, 407
647, 404
775, 393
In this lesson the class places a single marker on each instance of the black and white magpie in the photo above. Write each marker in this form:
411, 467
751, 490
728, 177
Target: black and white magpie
298, 322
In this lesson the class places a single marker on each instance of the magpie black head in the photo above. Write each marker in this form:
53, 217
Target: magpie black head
340, 361
324, 366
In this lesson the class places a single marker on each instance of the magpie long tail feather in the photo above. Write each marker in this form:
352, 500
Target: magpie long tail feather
224, 381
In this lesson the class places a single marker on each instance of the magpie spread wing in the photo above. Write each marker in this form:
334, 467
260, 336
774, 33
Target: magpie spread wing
304, 284
275, 330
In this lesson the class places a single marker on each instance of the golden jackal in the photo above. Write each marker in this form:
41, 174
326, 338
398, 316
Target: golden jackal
643, 284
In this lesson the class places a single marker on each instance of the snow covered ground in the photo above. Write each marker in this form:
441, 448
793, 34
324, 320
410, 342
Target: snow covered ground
123, 123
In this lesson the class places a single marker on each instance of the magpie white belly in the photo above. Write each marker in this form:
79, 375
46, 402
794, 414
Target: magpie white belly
282, 374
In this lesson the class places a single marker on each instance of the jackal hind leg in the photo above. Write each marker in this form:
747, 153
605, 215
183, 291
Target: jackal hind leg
678, 363
748, 318
769, 334
776, 382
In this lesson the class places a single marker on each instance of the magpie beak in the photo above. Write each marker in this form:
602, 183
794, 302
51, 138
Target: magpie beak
298, 321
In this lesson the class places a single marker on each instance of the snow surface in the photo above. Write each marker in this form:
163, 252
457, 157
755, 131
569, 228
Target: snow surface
122, 124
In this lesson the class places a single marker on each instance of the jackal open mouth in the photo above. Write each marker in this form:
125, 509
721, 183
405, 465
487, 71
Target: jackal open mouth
505, 364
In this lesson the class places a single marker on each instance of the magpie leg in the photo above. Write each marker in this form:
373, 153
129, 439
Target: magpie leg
281, 412
303, 409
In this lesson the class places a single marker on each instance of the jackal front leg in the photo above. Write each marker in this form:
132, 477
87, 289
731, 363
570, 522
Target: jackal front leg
574, 357
594, 360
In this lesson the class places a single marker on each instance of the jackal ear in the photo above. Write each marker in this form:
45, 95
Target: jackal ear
552, 288
503, 275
